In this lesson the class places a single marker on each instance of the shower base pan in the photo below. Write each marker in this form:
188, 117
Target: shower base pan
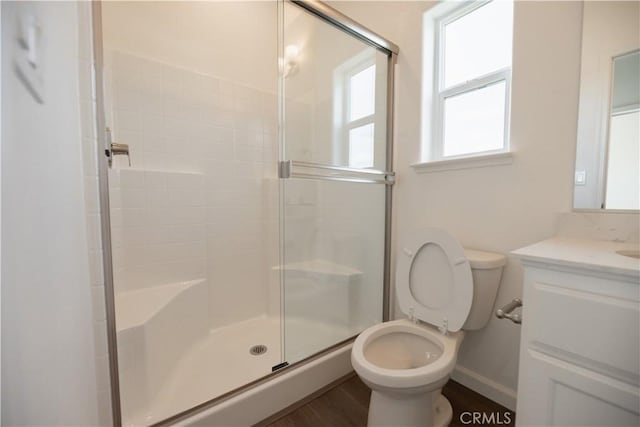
276, 394
222, 361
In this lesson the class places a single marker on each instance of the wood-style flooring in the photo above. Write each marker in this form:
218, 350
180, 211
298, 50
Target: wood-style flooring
347, 404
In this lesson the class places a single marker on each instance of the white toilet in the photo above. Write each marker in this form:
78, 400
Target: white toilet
442, 288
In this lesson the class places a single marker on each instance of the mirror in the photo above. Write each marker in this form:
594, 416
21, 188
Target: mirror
607, 173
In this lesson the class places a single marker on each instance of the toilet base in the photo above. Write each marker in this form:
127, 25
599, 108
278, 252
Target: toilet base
444, 412
386, 410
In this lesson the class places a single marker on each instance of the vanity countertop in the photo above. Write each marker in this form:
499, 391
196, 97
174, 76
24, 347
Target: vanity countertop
587, 254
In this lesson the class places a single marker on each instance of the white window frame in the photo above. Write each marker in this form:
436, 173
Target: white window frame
349, 125
441, 93
342, 106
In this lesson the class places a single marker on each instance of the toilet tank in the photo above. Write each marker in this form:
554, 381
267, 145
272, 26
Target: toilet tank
486, 269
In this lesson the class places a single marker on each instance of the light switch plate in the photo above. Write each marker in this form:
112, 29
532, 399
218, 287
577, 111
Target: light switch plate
580, 177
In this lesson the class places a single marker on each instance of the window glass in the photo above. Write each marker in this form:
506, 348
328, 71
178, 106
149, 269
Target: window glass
362, 93
361, 147
475, 121
478, 43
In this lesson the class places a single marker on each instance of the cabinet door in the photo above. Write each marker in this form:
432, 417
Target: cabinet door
553, 392
579, 352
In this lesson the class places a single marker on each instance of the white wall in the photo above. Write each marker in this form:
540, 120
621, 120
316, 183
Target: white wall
494, 208
47, 320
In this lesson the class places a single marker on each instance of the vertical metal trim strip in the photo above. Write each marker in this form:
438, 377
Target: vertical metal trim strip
281, 182
105, 217
386, 292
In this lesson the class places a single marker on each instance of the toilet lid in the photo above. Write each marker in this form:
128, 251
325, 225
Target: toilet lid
433, 279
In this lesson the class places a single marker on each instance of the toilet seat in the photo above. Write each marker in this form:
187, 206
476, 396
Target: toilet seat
433, 280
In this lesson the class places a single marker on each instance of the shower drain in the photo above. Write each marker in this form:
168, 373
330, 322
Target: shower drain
257, 350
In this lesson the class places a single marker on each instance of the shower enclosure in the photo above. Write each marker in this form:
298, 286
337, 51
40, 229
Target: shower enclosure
246, 192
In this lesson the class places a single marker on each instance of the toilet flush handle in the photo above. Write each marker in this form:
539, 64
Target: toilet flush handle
505, 312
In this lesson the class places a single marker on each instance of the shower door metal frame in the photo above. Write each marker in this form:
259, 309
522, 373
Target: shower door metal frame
327, 14
102, 141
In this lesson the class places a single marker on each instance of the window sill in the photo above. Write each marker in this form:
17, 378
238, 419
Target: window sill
481, 161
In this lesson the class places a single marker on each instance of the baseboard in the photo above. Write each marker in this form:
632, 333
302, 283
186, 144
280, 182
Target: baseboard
485, 386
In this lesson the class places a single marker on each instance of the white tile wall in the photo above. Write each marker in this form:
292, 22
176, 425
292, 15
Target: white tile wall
198, 199
157, 227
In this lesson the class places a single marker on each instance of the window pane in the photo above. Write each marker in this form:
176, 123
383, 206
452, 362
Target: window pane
478, 43
474, 121
362, 93
361, 147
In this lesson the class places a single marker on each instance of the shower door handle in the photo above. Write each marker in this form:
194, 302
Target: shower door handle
318, 171
120, 150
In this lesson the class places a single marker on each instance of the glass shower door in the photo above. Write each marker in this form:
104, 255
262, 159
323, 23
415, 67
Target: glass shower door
191, 88
333, 262
334, 194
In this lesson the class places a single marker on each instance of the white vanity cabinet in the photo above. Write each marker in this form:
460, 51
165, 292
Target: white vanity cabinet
580, 342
